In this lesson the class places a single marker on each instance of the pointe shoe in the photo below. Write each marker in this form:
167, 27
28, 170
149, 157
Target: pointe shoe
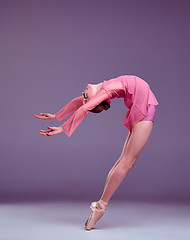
96, 213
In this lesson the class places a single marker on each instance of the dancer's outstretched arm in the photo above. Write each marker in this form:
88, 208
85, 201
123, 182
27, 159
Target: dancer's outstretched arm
65, 112
72, 123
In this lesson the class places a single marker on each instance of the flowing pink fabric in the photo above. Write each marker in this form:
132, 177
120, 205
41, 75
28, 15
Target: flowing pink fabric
135, 91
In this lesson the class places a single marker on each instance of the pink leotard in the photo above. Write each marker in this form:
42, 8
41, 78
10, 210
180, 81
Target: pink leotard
150, 114
137, 95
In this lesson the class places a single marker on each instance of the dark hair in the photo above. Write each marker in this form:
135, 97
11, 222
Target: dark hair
105, 105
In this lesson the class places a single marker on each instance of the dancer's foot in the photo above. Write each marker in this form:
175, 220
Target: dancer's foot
97, 211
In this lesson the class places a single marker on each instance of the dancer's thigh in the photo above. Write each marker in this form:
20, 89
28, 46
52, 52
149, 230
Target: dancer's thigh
139, 136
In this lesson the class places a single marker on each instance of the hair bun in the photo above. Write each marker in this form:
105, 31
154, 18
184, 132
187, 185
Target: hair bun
106, 105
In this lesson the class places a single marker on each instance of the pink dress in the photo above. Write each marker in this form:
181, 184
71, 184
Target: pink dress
137, 98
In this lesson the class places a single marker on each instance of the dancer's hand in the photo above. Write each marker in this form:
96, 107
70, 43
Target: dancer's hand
53, 131
45, 116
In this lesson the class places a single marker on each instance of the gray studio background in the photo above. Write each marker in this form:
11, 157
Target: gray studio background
49, 52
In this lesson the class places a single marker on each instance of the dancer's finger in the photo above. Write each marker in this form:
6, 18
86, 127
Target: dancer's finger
36, 116
40, 117
43, 131
43, 134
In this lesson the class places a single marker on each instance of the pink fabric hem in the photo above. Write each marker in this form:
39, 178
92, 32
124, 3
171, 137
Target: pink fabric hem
150, 114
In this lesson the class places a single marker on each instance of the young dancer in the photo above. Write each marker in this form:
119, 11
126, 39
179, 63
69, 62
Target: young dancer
139, 119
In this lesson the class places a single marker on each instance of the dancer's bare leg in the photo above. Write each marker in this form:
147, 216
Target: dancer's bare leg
121, 156
112, 169
99, 215
135, 142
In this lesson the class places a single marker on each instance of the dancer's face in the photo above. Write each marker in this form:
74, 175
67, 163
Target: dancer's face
88, 93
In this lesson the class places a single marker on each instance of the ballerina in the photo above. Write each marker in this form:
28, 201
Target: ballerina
139, 119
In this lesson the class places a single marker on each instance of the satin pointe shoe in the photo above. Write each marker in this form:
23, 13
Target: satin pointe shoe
96, 213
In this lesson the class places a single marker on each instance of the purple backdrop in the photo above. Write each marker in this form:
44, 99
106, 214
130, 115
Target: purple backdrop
49, 52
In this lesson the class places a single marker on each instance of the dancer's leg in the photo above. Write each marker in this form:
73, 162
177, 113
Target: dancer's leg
136, 142
121, 156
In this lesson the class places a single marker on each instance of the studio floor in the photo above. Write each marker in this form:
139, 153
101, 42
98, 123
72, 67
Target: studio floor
123, 220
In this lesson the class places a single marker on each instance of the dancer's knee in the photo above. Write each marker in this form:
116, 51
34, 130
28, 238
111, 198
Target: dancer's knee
133, 162
127, 164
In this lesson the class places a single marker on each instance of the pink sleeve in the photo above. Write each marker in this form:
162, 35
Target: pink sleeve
69, 109
72, 123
